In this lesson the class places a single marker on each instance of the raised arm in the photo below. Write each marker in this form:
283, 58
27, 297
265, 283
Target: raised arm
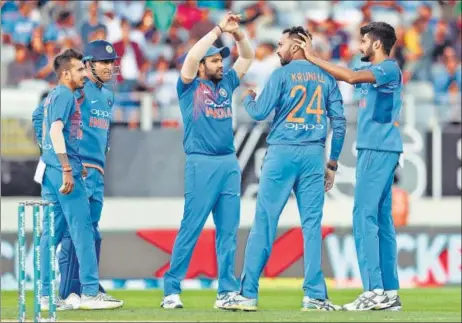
340, 73
197, 52
246, 54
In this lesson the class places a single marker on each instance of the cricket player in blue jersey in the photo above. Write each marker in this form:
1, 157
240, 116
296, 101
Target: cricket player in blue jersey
212, 173
379, 146
96, 111
303, 97
62, 180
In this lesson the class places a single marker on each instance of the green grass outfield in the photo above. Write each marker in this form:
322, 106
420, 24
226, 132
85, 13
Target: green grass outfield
276, 305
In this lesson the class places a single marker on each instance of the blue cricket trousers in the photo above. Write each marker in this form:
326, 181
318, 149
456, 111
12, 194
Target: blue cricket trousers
373, 228
68, 264
212, 184
72, 212
287, 167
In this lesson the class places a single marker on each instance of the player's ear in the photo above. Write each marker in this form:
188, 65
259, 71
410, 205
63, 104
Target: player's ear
294, 48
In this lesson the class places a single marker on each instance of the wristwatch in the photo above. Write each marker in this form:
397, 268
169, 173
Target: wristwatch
331, 167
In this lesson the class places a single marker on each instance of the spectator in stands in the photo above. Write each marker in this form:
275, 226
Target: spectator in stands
45, 62
9, 15
415, 49
398, 51
20, 30
92, 24
97, 33
131, 59
22, 68
161, 80
130, 10
446, 77
263, 65
142, 28
164, 13
68, 37
173, 36
37, 47
52, 9
188, 14
201, 28
441, 40
155, 47
338, 38
111, 21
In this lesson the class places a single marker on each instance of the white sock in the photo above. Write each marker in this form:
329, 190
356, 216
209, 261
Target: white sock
378, 291
392, 293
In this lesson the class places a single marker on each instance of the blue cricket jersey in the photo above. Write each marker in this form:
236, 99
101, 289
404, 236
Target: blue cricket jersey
96, 121
96, 113
61, 104
207, 114
379, 109
303, 96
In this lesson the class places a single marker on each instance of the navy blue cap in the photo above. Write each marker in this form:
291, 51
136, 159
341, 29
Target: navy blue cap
99, 50
224, 51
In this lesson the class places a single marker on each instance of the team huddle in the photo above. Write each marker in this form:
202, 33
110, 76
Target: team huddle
72, 127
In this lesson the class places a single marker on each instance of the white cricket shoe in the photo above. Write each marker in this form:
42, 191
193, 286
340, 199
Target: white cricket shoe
311, 304
240, 303
99, 302
60, 304
395, 306
171, 301
370, 300
224, 297
73, 300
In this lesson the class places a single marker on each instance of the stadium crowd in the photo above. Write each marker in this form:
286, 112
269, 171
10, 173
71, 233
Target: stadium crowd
152, 37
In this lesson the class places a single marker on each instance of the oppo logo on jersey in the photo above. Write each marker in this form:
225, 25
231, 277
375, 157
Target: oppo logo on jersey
100, 119
304, 126
101, 113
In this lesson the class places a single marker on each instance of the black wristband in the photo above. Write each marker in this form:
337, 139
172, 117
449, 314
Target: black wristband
221, 29
331, 167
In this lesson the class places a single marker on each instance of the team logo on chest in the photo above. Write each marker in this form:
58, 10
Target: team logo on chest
223, 92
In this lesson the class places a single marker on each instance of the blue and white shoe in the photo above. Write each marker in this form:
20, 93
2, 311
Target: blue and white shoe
224, 297
171, 301
370, 300
395, 305
240, 303
311, 304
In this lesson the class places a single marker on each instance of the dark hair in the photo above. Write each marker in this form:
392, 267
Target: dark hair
295, 30
63, 60
381, 31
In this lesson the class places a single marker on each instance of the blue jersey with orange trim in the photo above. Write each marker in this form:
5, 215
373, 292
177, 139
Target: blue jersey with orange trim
96, 121
303, 96
379, 108
207, 114
61, 104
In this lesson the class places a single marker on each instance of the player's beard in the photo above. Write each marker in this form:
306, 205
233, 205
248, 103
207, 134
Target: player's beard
215, 76
367, 55
284, 61
77, 85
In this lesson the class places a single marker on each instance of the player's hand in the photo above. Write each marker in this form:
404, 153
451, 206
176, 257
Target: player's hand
230, 23
84, 172
249, 92
329, 177
68, 183
305, 45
